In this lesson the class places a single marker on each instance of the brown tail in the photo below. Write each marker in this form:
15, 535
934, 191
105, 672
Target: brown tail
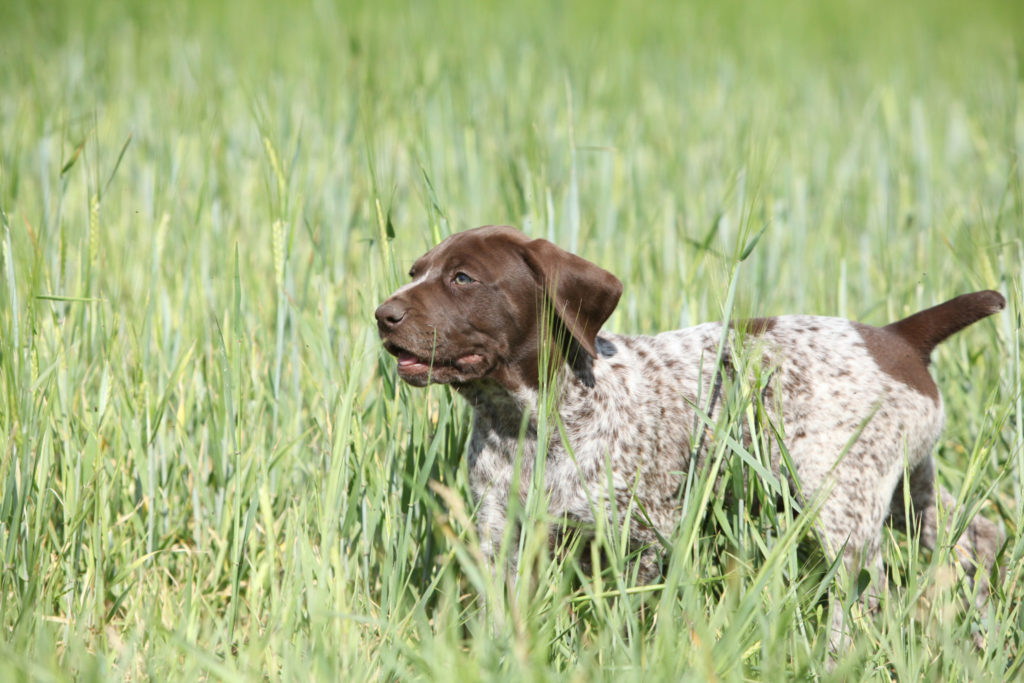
926, 329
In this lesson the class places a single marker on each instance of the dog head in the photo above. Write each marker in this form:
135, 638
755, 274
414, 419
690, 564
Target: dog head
488, 303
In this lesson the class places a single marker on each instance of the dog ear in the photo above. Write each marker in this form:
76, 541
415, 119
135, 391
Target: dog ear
582, 294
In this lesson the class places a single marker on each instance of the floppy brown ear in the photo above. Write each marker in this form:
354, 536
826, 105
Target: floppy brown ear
583, 294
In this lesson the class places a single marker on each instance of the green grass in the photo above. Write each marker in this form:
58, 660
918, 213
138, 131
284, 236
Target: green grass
207, 468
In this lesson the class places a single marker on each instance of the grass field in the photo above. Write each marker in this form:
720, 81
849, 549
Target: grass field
207, 468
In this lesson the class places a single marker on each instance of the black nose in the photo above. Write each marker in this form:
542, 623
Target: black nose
389, 314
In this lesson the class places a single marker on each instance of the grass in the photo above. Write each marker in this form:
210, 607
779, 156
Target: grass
207, 467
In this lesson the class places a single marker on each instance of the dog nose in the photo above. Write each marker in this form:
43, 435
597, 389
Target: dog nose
389, 314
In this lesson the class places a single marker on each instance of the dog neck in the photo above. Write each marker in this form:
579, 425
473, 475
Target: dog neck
501, 409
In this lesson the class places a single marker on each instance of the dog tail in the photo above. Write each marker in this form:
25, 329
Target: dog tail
924, 330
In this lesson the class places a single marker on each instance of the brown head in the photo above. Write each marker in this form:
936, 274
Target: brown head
476, 308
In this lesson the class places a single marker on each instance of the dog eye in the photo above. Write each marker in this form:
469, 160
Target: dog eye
462, 279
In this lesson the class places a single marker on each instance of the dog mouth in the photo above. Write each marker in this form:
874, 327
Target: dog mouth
407, 361
436, 368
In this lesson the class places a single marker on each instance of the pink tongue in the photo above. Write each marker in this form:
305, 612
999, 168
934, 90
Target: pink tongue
407, 359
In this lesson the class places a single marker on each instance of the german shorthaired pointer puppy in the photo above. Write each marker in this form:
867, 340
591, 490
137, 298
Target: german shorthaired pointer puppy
855, 404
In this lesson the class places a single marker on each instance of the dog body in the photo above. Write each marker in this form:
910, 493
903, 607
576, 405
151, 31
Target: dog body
647, 420
854, 404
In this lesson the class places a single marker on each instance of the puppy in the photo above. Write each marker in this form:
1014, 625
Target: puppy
500, 317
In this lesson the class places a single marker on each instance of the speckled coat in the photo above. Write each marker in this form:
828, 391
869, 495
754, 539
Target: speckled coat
855, 404
641, 415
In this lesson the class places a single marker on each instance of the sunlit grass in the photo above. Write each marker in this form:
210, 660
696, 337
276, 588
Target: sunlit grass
207, 466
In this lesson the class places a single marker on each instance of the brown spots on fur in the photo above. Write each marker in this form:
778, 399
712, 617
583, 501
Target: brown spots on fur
754, 326
797, 382
898, 358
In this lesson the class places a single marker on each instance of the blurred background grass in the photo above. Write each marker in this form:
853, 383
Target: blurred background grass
205, 474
